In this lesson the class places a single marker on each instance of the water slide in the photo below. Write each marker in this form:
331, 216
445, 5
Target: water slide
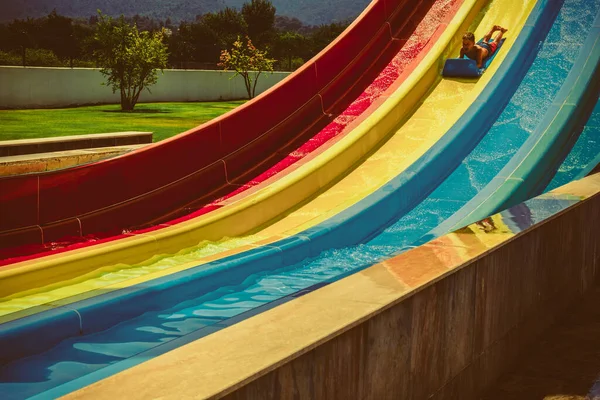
22, 283
584, 158
330, 264
249, 212
393, 147
532, 167
127, 195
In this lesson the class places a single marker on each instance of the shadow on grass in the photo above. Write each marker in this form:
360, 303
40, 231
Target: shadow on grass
141, 111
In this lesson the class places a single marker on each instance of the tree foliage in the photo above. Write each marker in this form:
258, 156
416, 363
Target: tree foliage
129, 59
289, 24
22, 36
193, 44
290, 45
260, 18
60, 36
325, 34
227, 24
248, 62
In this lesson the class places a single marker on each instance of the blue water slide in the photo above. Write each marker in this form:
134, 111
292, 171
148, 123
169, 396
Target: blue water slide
213, 292
354, 225
584, 158
530, 170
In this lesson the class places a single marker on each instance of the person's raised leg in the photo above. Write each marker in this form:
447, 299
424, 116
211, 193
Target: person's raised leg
488, 35
501, 32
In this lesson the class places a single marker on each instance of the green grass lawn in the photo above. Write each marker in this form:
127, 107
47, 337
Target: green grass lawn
163, 119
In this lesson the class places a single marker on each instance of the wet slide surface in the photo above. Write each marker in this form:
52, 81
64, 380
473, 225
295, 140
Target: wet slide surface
269, 287
558, 118
519, 120
585, 155
286, 125
359, 183
223, 303
195, 318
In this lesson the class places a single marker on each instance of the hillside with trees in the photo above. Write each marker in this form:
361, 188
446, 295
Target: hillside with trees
311, 12
59, 40
156, 9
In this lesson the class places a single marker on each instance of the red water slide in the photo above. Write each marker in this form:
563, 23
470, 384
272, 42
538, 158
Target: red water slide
200, 165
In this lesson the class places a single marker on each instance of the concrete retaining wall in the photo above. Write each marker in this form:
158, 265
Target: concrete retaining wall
454, 338
33, 87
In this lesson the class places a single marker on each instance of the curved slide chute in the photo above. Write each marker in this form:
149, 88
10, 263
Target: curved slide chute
499, 221
214, 159
268, 254
260, 207
584, 158
86, 311
533, 166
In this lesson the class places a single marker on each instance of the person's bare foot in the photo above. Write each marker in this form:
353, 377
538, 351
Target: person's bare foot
503, 30
496, 28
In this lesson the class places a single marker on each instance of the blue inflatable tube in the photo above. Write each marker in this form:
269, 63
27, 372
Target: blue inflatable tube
467, 68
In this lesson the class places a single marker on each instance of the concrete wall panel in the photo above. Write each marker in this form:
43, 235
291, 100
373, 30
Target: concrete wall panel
33, 87
454, 338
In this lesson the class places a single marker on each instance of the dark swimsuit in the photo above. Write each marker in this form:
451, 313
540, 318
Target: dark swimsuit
490, 47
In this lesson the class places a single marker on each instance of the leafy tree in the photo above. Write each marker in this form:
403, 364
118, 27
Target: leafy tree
325, 34
59, 36
206, 43
289, 24
291, 45
84, 45
144, 23
244, 58
260, 17
181, 45
22, 35
227, 24
194, 42
5, 42
129, 58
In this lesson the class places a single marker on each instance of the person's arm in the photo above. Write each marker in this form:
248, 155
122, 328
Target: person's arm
479, 58
462, 53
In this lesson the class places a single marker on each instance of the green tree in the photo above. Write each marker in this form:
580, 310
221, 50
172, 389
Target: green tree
260, 17
84, 45
129, 59
181, 46
227, 25
290, 45
194, 42
59, 36
289, 24
22, 36
325, 34
248, 62
206, 43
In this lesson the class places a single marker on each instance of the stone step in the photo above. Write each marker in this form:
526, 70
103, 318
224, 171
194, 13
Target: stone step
30, 163
73, 142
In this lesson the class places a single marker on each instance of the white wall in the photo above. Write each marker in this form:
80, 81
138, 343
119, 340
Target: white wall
32, 87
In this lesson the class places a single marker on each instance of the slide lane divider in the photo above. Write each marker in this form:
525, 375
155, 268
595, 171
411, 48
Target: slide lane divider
584, 156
